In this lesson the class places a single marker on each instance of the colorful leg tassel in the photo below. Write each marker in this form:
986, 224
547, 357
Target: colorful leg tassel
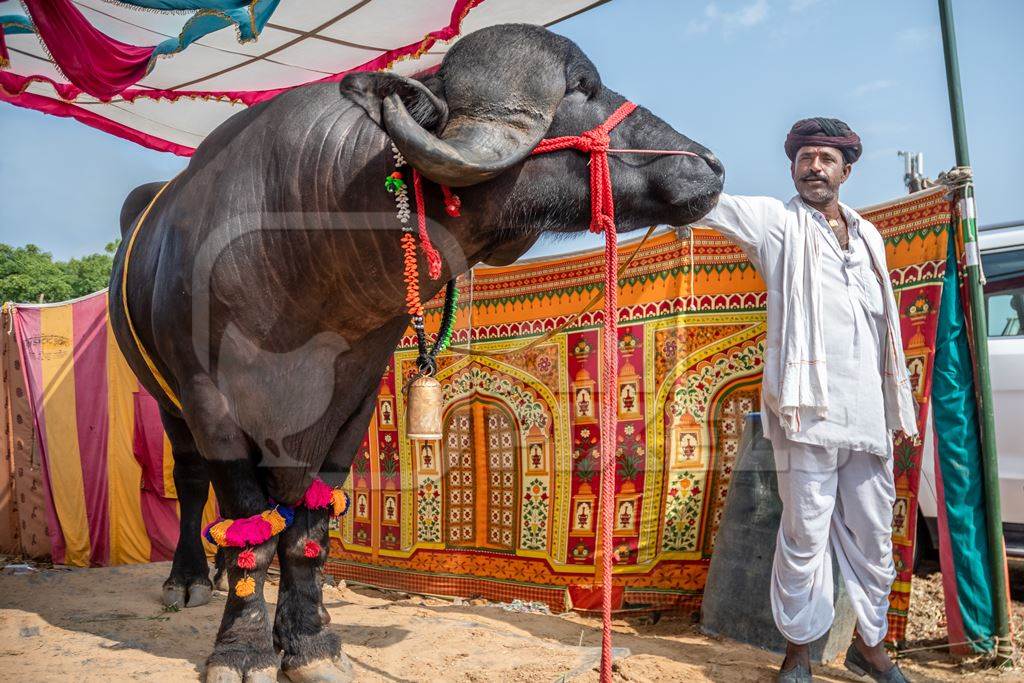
257, 529
319, 495
245, 587
247, 559
339, 502
246, 533
249, 531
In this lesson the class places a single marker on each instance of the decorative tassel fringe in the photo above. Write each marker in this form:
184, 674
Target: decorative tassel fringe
246, 559
339, 502
319, 495
245, 587
452, 203
249, 531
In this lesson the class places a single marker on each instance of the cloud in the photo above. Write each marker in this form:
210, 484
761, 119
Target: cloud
801, 5
919, 35
710, 15
872, 87
751, 15
744, 17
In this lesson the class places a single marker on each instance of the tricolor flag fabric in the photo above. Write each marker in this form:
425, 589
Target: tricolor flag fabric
107, 466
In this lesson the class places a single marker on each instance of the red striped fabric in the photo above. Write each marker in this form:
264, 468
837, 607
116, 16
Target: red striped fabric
79, 389
26, 327
89, 360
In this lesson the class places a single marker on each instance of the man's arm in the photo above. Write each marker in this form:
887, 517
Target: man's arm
744, 220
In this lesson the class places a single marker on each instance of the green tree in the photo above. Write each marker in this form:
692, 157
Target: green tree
30, 275
90, 273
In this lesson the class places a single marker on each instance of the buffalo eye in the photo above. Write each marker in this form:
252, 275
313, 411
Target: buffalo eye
583, 85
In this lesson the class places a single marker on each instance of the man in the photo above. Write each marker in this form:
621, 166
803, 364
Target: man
835, 386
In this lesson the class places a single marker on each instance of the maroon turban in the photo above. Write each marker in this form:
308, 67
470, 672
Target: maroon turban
822, 132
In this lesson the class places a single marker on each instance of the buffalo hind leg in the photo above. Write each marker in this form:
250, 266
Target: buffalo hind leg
311, 652
189, 583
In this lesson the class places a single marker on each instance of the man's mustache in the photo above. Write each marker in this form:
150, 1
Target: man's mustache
813, 176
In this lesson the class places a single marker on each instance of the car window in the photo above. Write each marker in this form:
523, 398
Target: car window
1004, 292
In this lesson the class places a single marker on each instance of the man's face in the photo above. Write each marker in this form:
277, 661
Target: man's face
818, 172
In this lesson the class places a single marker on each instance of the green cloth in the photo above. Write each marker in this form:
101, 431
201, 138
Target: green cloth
955, 416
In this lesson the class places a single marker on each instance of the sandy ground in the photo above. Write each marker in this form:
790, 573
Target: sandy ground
107, 624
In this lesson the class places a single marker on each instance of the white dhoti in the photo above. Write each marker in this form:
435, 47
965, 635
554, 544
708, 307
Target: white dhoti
835, 502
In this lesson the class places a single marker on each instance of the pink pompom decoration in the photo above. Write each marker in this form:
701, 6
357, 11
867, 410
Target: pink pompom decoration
249, 531
247, 559
312, 549
317, 496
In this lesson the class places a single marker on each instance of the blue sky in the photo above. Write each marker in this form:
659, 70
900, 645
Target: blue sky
732, 74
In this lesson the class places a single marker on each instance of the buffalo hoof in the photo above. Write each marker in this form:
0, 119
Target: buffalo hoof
340, 670
196, 593
221, 673
174, 595
268, 675
325, 616
199, 593
220, 580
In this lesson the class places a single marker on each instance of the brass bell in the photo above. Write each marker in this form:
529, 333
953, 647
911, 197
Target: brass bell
423, 414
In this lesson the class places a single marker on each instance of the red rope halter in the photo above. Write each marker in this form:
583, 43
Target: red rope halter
602, 218
595, 141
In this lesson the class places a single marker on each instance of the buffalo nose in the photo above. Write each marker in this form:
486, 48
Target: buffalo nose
714, 163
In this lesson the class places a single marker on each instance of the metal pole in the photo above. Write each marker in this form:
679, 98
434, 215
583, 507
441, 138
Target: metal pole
979, 330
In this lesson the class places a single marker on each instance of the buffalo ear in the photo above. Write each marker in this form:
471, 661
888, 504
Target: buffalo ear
424, 99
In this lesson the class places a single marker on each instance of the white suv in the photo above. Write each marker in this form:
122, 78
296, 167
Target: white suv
1002, 257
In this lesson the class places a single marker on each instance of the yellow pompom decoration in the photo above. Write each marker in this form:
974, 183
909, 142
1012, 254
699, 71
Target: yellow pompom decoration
219, 532
276, 521
339, 502
245, 587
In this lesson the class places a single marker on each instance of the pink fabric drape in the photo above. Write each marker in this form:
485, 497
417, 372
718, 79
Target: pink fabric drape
13, 87
95, 62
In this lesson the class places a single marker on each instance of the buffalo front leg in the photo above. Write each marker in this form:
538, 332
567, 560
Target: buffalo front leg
311, 652
244, 649
189, 582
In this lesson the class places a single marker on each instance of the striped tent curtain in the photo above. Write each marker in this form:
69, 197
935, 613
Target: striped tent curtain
105, 461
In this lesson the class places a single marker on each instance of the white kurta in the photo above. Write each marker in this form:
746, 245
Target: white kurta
835, 467
854, 336
789, 245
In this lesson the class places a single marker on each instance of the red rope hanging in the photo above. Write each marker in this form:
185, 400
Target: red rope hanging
609, 425
433, 258
602, 218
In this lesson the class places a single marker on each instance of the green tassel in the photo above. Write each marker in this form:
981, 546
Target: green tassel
446, 334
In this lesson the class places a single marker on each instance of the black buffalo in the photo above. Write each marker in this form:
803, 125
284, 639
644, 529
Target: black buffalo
266, 284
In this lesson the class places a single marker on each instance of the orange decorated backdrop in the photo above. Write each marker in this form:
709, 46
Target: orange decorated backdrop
504, 505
